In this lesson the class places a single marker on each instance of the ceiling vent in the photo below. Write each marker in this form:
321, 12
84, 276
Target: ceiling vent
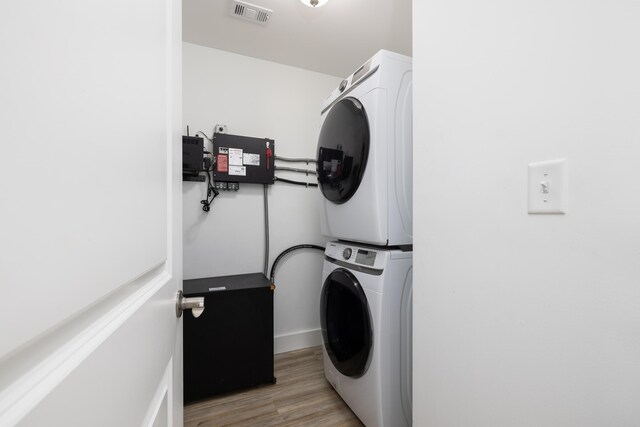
250, 12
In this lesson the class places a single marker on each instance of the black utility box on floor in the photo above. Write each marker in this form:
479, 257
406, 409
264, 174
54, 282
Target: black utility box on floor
230, 346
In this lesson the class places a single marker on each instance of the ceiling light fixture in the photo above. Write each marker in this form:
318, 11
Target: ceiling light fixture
314, 3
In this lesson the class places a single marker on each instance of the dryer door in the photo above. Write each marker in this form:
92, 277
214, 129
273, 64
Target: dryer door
343, 148
346, 322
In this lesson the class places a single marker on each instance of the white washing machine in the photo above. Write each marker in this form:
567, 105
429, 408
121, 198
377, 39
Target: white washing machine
365, 154
365, 313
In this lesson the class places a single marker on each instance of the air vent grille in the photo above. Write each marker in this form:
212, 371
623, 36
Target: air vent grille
262, 16
250, 12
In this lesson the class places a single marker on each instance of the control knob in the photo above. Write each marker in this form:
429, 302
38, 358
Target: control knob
343, 85
346, 253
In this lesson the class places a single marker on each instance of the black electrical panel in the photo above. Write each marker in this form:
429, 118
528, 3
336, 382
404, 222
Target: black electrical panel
192, 156
230, 346
243, 159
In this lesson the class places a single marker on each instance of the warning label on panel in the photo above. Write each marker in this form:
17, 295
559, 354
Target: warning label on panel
235, 156
238, 170
223, 150
251, 159
222, 165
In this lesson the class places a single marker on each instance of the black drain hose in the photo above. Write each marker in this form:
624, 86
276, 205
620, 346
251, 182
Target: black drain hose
286, 251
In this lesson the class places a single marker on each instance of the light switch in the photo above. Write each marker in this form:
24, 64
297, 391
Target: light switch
548, 187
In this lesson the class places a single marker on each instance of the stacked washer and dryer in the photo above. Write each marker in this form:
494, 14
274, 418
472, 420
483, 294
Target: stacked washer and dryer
365, 176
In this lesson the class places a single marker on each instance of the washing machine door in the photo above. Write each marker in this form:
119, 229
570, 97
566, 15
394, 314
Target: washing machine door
343, 148
346, 323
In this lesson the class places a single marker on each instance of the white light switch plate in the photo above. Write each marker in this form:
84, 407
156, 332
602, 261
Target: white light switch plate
548, 187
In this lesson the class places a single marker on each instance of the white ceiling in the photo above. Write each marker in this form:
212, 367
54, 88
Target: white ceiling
334, 39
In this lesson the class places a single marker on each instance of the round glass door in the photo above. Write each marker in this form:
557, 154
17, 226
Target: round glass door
347, 330
343, 148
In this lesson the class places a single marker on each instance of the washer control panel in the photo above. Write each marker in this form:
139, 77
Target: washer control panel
355, 255
366, 257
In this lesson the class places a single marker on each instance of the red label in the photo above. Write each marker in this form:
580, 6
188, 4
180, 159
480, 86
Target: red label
222, 163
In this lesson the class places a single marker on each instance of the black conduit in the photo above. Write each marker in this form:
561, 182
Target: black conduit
266, 231
286, 251
288, 181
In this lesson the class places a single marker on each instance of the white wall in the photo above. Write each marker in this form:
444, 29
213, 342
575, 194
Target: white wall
259, 99
523, 319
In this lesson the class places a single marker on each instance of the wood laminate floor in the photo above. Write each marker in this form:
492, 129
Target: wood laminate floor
301, 397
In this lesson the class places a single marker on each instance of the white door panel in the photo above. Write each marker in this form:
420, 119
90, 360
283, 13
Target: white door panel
83, 164
121, 396
90, 219
160, 412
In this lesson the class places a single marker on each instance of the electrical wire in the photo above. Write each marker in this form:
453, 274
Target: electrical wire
205, 135
289, 181
285, 252
304, 171
211, 190
295, 160
266, 231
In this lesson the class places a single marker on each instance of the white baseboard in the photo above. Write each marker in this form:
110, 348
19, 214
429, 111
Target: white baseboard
298, 340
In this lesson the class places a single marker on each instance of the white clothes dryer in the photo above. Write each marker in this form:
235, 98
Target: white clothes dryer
365, 154
365, 313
